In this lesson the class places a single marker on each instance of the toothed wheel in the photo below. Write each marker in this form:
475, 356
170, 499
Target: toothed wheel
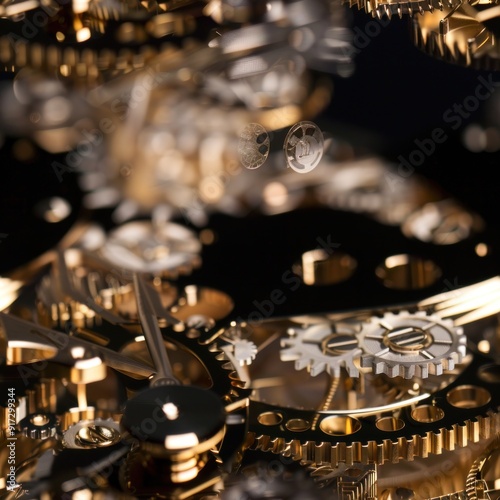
320, 348
389, 8
411, 345
244, 351
462, 35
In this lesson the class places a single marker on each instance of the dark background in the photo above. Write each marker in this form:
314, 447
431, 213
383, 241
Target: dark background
398, 94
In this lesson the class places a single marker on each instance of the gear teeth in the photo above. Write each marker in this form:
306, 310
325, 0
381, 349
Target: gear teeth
434, 441
300, 364
288, 353
456, 49
245, 351
237, 385
310, 356
420, 356
316, 368
410, 371
423, 371
33, 431
475, 475
389, 8
378, 368
351, 368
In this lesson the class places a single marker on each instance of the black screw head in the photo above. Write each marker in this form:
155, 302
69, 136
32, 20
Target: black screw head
175, 416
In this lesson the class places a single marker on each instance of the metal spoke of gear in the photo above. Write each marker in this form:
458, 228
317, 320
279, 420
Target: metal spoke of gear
411, 345
320, 348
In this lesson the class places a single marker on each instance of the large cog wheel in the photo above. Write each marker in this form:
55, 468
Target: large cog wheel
411, 344
460, 35
321, 348
428, 424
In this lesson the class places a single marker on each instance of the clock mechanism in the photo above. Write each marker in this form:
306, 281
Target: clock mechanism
214, 285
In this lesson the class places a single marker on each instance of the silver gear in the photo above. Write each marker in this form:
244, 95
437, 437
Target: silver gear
411, 344
244, 351
168, 249
39, 425
319, 348
241, 352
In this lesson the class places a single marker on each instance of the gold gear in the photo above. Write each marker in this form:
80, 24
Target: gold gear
389, 8
332, 453
431, 419
477, 486
458, 35
91, 46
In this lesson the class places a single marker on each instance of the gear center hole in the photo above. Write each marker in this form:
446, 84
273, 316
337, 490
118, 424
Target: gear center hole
407, 339
336, 344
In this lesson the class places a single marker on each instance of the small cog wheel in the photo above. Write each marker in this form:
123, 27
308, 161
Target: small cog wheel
411, 344
245, 351
39, 425
321, 348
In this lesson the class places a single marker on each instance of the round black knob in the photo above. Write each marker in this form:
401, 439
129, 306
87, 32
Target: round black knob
173, 418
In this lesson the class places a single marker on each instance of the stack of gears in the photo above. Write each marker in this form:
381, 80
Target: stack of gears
126, 373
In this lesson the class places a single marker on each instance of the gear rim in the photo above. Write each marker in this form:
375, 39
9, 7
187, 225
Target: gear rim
457, 427
418, 351
298, 347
